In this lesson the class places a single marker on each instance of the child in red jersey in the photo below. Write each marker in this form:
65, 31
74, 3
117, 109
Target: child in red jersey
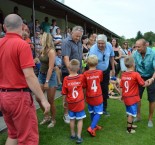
130, 92
94, 96
72, 90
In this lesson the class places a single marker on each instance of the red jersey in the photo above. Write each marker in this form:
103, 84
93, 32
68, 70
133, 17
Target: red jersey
129, 84
15, 55
92, 82
73, 89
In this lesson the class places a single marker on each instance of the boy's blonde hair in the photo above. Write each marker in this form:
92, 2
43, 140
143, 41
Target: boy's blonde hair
129, 61
74, 65
92, 60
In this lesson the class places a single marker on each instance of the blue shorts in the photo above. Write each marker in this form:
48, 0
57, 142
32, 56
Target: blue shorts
132, 110
96, 109
77, 115
52, 82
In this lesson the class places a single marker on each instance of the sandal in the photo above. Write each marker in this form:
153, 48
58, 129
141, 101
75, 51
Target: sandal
52, 124
45, 120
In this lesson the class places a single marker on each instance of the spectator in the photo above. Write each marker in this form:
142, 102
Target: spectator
104, 51
145, 64
18, 106
57, 39
47, 76
2, 34
53, 27
124, 53
71, 49
16, 11
58, 62
130, 93
117, 56
45, 26
72, 92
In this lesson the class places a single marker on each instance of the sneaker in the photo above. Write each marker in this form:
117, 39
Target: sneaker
150, 123
97, 127
106, 113
52, 124
131, 132
91, 131
45, 120
73, 137
79, 140
134, 126
66, 118
136, 119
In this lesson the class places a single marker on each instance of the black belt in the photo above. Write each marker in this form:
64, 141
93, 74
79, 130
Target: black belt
15, 90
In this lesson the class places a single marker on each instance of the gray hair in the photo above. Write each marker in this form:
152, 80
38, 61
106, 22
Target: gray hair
101, 37
77, 28
13, 22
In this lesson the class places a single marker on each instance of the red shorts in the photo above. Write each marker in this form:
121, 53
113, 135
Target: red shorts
20, 117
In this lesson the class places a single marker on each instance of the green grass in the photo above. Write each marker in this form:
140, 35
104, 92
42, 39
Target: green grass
114, 132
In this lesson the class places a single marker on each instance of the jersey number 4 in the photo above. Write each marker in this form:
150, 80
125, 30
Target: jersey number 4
94, 87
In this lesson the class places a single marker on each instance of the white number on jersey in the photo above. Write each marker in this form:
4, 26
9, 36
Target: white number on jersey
126, 85
75, 93
94, 87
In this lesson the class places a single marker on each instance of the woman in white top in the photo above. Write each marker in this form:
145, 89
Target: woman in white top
124, 53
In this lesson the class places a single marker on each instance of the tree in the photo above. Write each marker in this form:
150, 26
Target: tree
139, 35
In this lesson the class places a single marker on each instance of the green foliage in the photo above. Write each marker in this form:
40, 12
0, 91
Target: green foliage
139, 35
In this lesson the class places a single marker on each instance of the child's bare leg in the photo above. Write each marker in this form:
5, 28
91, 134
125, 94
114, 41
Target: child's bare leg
79, 128
72, 125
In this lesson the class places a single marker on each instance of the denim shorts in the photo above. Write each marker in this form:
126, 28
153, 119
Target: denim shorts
132, 110
52, 82
96, 109
76, 115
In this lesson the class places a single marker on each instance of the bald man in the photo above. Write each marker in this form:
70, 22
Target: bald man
17, 78
145, 64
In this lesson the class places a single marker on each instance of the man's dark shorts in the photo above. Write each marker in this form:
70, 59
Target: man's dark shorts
150, 90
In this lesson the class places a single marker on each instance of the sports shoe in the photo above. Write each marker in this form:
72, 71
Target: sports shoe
79, 140
73, 137
131, 131
150, 123
134, 126
52, 124
136, 119
66, 118
45, 120
97, 128
106, 113
91, 131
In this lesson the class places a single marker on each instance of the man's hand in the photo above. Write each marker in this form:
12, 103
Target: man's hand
150, 81
46, 106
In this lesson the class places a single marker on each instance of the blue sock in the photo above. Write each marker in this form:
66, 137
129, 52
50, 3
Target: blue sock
95, 120
92, 116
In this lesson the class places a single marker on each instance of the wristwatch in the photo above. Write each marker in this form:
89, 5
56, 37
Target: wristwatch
47, 81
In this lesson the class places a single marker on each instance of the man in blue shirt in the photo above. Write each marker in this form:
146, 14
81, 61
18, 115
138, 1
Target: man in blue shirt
104, 51
145, 64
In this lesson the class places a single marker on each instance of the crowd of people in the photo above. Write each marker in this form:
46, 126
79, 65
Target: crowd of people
84, 68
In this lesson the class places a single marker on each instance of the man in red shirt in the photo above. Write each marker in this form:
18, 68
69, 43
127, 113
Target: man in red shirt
16, 77
94, 97
129, 83
72, 90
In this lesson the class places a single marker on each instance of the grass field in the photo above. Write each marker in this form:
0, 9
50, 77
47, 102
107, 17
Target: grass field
113, 133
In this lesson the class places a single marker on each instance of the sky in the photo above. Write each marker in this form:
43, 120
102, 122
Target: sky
123, 17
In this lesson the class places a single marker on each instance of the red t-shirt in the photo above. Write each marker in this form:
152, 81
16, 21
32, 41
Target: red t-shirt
92, 82
129, 84
73, 89
15, 55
